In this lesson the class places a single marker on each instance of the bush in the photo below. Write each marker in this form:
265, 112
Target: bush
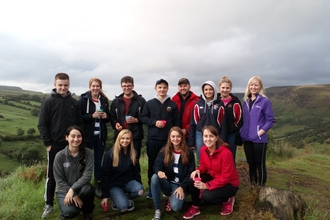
28, 155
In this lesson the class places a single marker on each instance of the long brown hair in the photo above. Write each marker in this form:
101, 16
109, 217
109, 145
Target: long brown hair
100, 83
215, 132
117, 148
169, 148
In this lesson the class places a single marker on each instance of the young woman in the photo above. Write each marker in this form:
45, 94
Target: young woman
217, 176
120, 174
233, 113
94, 107
173, 167
73, 168
258, 119
208, 110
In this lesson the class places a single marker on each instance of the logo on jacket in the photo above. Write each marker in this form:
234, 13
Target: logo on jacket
66, 164
169, 109
216, 106
258, 106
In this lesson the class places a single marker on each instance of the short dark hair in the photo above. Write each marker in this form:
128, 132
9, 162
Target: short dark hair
127, 79
62, 76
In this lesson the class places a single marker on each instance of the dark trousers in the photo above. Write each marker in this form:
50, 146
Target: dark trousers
98, 146
50, 181
153, 147
215, 196
256, 157
86, 193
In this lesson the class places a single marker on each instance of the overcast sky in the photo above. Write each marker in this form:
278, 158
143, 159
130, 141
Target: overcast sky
285, 42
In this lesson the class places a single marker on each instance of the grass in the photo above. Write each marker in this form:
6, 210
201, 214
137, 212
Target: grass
22, 192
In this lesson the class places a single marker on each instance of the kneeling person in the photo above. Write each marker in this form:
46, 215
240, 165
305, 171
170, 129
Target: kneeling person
121, 174
73, 168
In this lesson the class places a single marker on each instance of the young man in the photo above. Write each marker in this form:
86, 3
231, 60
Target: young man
125, 112
185, 100
160, 114
57, 113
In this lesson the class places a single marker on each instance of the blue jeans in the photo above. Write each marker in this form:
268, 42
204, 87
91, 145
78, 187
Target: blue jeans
158, 185
133, 188
199, 144
231, 141
98, 146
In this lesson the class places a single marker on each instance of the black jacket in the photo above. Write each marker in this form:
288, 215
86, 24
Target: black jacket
155, 110
117, 110
234, 114
184, 170
118, 176
57, 113
87, 108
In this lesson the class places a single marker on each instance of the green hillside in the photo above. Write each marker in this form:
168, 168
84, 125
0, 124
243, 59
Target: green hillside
301, 114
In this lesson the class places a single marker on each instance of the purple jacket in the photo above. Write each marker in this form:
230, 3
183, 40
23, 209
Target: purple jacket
260, 116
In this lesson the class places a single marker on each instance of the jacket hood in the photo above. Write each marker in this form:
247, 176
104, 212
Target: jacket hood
212, 84
54, 93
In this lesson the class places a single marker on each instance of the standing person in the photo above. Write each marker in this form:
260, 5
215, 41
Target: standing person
185, 100
94, 105
208, 110
233, 113
73, 168
258, 119
217, 176
120, 174
57, 113
130, 104
173, 167
160, 114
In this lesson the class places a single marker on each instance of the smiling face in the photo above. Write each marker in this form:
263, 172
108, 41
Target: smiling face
74, 138
184, 89
254, 87
208, 92
225, 90
161, 90
175, 138
127, 88
125, 140
95, 89
62, 86
209, 139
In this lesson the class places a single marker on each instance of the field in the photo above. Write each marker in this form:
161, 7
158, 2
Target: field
298, 159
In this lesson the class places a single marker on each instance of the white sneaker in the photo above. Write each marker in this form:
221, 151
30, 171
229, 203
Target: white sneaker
47, 210
157, 215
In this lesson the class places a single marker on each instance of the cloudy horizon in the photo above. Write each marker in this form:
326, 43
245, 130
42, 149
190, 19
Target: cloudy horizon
283, 42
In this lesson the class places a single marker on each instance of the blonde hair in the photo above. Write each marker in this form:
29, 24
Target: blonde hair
117, 148
262, 91
100, 83
225, 79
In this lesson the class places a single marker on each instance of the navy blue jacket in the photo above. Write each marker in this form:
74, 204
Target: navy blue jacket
87, 108
153, 111
184, 170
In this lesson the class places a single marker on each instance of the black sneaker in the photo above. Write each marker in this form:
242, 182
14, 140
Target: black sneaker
131, 206
114, 207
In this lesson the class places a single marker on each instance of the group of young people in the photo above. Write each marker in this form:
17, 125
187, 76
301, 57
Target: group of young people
211, 124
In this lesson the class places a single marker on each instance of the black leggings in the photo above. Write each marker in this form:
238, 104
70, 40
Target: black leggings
216, 196
256, 157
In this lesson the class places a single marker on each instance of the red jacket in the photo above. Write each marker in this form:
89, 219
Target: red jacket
220, 165
188, 109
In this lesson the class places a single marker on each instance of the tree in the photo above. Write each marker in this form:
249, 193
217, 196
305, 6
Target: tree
31, 131
35, 112
20, 132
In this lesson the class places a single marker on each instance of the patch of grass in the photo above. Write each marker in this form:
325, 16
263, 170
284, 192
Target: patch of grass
22, 192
